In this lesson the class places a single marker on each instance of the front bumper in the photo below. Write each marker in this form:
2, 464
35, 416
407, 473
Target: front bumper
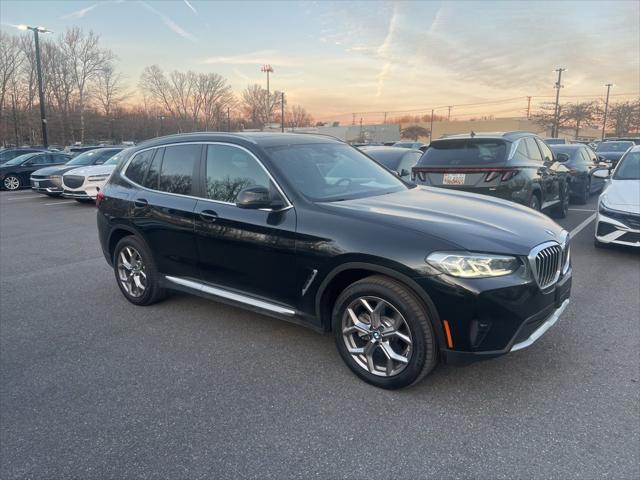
619, 231
489, 322
47, 186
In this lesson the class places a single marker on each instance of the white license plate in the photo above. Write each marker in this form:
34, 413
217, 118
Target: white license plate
36, 184
453, 179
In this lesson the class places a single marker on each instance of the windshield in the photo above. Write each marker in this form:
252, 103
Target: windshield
92, 157
327, 172
116, 158
629, 168
466, 152
18, 160
614, 146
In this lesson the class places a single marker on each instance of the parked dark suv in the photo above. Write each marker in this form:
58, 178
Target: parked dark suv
516, 166
309, 229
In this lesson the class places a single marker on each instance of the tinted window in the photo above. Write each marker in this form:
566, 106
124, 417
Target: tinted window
629, 168
178, 165
534, 151
138, 166
584, 157
522, 152
229, 170
153, 174
546, 151
614, 146
94, 157
464, 152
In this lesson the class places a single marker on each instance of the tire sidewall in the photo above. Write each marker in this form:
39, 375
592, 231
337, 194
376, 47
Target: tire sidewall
150, 269
423, 342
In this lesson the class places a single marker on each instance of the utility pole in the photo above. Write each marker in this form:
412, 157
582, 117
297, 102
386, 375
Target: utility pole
385, 118
353, 121
431, 127
449, 114
361, 132
36, 34
228, 119
282, 111
528, 107
606, 110
268, 69
556, 116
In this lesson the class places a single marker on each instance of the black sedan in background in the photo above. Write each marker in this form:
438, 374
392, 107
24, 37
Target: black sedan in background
15, 173
613, 150
400, 160
11, 153
581, 162
49, 180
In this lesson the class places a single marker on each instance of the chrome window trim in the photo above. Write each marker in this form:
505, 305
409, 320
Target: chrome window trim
130, 159
236, 297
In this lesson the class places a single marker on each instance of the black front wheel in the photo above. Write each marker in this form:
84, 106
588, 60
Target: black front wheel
562, 209
584, 195
383, 333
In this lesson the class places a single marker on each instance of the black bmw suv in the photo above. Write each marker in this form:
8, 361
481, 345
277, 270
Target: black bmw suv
309, 229
516, 166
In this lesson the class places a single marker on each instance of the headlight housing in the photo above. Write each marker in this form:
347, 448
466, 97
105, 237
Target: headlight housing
474, 265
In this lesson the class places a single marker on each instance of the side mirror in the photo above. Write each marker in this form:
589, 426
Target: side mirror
404, 173
604, 164
253, 198
562, 157
601, 174
603, 159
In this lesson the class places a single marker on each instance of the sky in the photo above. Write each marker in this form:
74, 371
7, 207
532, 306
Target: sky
335, 58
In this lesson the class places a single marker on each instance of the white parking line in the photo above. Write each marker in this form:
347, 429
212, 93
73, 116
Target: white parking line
60, 202
581, 210
581, 227
23, 197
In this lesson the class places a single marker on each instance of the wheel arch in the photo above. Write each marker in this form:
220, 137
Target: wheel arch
347, 273
118, 232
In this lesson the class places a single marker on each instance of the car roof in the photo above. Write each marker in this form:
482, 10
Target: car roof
569, 146
390, 149
264, 139
511, 136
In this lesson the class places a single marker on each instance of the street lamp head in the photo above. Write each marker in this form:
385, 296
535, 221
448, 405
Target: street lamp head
266, 68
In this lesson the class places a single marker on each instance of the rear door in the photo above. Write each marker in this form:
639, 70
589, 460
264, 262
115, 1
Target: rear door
596, 183
541, 154
162, 208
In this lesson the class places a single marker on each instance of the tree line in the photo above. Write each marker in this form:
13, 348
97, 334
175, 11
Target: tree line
623, 118
88, 101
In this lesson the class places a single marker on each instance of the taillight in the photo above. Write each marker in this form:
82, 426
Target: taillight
99, 198
506, 175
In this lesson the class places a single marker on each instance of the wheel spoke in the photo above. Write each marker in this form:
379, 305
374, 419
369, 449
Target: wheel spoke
136, 279
368, 353
357, 324
376, 314
123, 260
391, 354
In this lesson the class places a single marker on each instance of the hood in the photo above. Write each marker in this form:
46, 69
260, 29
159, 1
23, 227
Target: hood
92, 170
466, 220
57, 170
622, 195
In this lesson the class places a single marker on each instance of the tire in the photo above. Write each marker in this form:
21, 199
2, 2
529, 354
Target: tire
12, 183
562, 209
403, 317
133, 250
534, 202
584, 195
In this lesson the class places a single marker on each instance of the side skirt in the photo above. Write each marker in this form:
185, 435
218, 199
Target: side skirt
238, 299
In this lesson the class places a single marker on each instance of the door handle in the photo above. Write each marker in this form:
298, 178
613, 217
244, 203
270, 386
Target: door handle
140, 202
208, 215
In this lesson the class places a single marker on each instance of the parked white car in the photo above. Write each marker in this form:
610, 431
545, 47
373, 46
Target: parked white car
84, 183
618, 217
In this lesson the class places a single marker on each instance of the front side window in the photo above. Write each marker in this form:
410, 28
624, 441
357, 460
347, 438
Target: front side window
231, 169
138, 166
178, 168
532, 148
629, 168
332, 171
547, 154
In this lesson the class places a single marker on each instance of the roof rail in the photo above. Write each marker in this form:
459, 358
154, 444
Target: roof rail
320, 134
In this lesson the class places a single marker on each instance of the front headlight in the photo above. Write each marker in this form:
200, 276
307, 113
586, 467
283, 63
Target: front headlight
474, 265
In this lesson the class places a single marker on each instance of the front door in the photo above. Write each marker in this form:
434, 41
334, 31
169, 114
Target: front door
247, 250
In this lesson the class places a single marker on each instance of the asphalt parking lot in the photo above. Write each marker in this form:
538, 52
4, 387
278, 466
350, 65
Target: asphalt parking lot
94, 387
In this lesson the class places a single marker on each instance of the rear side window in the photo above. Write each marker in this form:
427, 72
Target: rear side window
153, 174
138, 166
467, 152
231, 169
178, 168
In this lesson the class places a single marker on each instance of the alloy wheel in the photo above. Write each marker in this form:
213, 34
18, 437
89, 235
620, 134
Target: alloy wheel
11, 183
377, 336
131, 271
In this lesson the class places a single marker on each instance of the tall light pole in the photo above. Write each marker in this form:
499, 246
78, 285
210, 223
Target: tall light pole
36, 32
449, 114
606, 109
282, 111
556, 115
268, 69
431, 128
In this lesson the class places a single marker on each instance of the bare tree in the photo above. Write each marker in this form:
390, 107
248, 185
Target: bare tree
87, 60
10, 62
624, 117
414, 132
297, 116
545, 116
109, 93
583, 114
257, 105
